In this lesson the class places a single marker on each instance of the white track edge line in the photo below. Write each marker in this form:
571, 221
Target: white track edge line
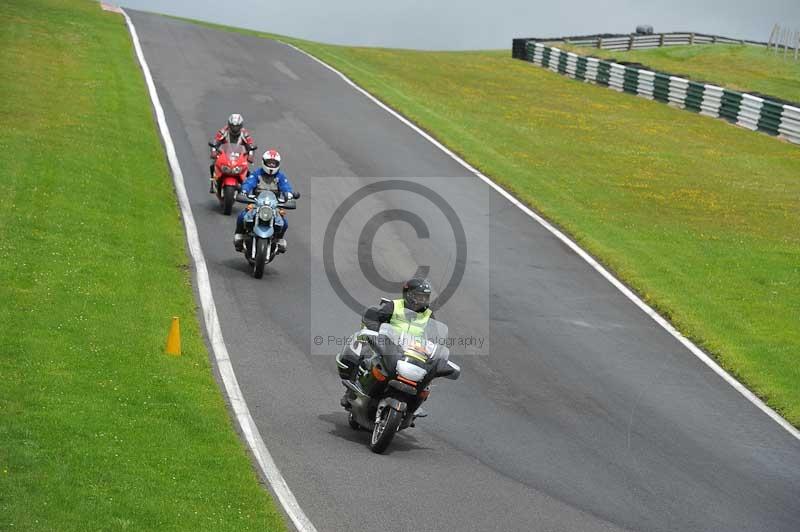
213, 329
699, 353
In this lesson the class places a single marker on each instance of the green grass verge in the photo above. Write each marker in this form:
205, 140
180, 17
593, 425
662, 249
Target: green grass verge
100, 430
743, 68
700, 217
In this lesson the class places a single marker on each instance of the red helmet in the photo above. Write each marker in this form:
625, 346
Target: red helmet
271, 162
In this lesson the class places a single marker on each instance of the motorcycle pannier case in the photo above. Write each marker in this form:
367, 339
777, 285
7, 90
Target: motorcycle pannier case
347, 364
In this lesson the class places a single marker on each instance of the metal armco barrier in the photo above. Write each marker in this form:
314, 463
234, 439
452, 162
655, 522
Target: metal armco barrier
634, 41
745, 110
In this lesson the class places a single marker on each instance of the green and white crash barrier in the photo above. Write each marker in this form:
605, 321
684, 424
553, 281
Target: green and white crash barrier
745, 110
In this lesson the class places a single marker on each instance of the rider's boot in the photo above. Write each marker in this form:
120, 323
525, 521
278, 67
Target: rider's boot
346, 398
281, 245
238, 241
211, 189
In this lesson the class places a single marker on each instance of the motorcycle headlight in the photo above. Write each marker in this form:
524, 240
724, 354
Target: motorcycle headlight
226, 169
237, 169
265, 214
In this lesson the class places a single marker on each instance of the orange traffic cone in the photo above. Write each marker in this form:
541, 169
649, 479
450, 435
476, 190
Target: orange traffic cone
174, 337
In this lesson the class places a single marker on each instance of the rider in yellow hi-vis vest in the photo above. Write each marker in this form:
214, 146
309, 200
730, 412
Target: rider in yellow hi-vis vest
416, 297
400, 321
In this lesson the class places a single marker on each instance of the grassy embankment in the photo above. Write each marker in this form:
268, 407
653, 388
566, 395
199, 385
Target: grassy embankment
700, 217
98, 428
743, 68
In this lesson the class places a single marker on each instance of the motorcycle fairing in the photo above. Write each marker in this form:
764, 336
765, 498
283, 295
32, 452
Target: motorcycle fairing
263, 231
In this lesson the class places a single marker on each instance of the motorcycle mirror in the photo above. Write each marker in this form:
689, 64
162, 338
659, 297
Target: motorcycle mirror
453, 371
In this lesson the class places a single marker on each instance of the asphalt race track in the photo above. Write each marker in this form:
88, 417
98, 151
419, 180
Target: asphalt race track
584, 414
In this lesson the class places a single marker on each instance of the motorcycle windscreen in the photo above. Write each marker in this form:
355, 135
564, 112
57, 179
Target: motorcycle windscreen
419, 337
266, 197
233, 151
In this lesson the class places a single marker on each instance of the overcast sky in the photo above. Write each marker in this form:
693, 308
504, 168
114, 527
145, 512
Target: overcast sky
479, 24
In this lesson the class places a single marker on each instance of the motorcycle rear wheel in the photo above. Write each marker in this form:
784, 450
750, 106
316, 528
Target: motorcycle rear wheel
384, 430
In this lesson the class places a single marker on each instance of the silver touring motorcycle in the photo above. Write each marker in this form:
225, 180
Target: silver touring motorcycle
388, 374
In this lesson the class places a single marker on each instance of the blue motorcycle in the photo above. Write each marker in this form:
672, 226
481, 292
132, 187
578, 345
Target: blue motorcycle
260, 245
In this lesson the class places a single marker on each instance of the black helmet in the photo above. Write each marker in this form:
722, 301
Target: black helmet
417, 294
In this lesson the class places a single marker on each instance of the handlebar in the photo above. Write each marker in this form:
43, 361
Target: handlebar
289, 205
243, 198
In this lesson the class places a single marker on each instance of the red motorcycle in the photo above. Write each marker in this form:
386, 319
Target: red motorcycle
230, 171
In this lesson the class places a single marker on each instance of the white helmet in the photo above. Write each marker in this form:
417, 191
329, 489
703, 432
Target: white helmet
271, 162
235, 123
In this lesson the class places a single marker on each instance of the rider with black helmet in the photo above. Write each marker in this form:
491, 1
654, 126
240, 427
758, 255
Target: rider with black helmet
416, 297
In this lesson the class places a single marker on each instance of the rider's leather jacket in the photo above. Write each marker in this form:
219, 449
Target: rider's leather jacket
224, 136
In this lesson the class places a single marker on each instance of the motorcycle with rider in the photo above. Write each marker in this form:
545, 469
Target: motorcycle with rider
261, 227
388, 366
233, 132
232, 149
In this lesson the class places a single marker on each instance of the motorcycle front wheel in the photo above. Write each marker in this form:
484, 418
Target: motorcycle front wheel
261, 257
384, 430
228, 196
